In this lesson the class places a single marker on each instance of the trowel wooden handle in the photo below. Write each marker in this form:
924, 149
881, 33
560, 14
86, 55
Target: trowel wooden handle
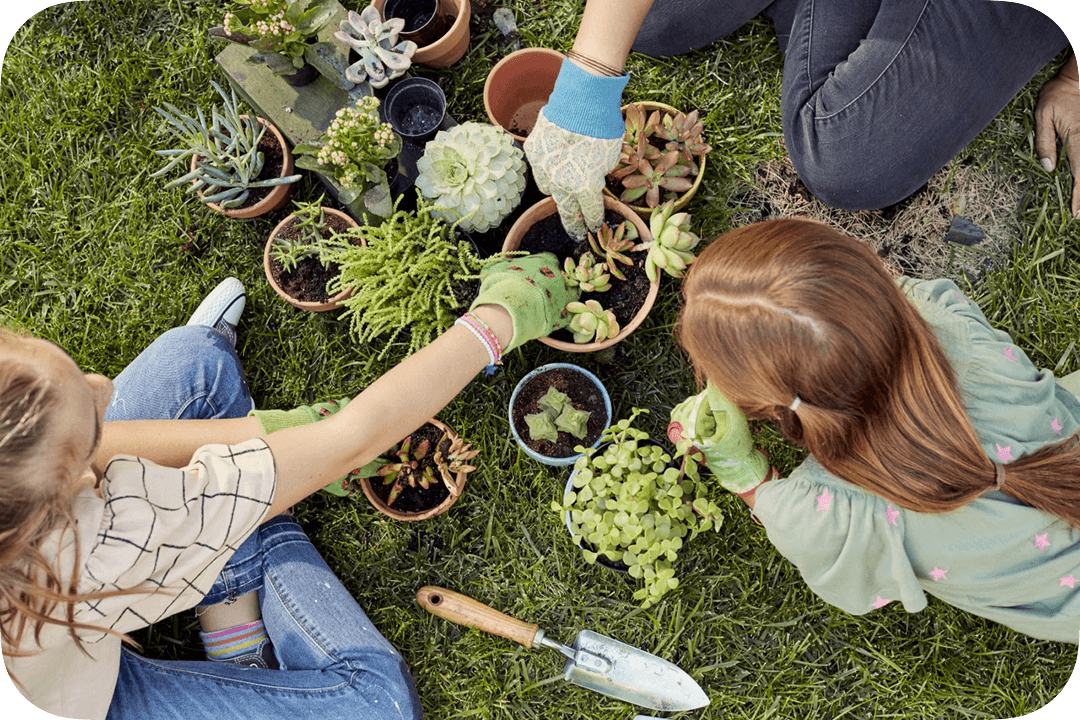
463, 610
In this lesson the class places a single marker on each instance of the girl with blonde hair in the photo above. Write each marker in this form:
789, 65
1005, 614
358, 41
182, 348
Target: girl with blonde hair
942, 460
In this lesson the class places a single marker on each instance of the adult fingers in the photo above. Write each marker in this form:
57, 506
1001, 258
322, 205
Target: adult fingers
1072, 149
1045, 132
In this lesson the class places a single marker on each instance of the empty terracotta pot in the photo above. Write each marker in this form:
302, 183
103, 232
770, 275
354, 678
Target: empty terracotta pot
518, 86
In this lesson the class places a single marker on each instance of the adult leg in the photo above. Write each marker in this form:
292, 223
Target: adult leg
339, 665
675, 27
878, 95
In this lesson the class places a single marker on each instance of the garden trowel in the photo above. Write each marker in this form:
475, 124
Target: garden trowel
595, 662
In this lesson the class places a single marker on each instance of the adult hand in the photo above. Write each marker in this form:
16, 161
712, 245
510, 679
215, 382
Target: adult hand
532, 290
710, 424
576, 142
1057, 115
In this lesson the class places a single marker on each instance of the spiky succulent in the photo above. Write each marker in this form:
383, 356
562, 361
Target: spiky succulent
227, 150
382, 57
636, 145
472, 172
407, 470
610, 243
671, 249
587, 274
455, 460
309, 222
590, 322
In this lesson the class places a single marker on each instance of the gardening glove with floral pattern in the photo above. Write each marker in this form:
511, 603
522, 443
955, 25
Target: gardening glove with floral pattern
576, 142
274, 420
711, 424
532, 290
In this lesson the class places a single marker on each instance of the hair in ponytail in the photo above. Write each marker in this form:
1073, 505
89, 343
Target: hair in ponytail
792, 308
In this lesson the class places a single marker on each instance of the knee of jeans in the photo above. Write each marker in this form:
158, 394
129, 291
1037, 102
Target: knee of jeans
856, 180
386, 675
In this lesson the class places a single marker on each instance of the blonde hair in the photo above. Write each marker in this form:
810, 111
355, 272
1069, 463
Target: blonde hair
32, 508
791, 308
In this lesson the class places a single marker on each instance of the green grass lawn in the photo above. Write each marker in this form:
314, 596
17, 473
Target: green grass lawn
97, 257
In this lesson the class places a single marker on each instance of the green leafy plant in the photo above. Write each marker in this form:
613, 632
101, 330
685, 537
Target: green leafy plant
671, 248
557, 413
406, 466
590, 322
629, 503
406, 279
586, 273
382, 57
474, 173
309, 223
278, 29
228, 160
610, 243
355, 151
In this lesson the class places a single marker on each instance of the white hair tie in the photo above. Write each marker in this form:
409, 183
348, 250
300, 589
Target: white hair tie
795, 404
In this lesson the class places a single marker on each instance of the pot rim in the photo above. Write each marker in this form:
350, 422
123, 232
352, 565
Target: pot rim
533, 374
506, 60
546, 208
333, 302
452, 46
378, 504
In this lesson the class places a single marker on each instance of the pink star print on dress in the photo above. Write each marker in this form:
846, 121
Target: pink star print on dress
892, 514
1056, 426
1004, 453
1009, 354
938, 574
1068, 580
823, 501
881, 602
1041, 542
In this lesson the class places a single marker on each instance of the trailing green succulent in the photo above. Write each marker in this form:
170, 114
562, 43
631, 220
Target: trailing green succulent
228, 159
278, 29
628, 503
557, 413
671, 249
355, 151
474, 173
590, 322
610, 243
405, 280
586, 273
382, 57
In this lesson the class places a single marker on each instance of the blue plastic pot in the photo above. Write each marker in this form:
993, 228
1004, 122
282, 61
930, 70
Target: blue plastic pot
539, 371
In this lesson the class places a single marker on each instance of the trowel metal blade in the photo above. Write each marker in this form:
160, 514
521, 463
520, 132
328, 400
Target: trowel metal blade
630, 674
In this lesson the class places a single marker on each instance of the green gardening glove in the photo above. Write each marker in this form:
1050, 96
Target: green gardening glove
710, 423
274, 420
532, 290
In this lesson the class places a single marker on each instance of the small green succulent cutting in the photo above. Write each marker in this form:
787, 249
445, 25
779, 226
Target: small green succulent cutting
612, 244
557, 413
630, 504
278, 29
228, 159
309, 242
590, 322
671, 248
587, 274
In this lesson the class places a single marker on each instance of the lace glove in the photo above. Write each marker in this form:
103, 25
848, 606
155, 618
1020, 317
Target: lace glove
532, 290
710, 423
576, 142
273, 420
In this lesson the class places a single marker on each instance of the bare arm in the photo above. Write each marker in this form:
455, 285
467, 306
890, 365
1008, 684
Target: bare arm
608, 29
170, 442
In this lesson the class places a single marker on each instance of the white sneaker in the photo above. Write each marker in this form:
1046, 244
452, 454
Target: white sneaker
221, 309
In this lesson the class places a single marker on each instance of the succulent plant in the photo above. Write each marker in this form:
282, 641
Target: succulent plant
474, 173
683, 133
587, 274
610, 243
671, 249
636, 145
382, 57
278, 29
650, 178
453, 461
407, 470
228, 159
589, 322
557, 413
309, 242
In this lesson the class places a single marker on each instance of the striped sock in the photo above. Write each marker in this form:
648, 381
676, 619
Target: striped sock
224, 645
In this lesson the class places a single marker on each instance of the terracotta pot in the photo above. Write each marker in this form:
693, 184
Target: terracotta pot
519, 85
451, 47
459, 481
278, 196
680, 203
333, 302
545, 208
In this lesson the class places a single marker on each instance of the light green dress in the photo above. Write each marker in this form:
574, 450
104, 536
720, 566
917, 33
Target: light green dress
994, 557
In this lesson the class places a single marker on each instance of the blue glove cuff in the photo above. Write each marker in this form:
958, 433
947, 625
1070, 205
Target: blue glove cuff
587, 104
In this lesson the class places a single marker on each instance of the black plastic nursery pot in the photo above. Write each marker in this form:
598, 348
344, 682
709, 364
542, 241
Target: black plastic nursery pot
415, 107
425, 20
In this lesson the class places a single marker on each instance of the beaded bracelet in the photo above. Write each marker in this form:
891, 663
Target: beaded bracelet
483, 332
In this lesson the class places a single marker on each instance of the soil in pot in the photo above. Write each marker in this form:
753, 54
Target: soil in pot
624, 298
416, 500
583, 394
307, 282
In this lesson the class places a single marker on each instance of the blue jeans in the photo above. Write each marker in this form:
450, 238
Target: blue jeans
335, 663
878, 95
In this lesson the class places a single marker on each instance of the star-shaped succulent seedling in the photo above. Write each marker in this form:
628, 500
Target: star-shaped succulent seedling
406, 471
611, 244
556, 413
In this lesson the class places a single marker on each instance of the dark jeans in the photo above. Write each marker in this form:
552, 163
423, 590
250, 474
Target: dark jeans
878, 95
